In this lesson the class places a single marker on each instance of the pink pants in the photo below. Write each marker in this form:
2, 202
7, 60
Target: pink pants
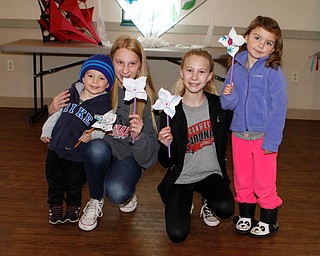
254, 173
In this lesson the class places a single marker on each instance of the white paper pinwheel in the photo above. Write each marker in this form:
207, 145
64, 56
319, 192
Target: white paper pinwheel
105, 122
232, 42
135, 88
167, 102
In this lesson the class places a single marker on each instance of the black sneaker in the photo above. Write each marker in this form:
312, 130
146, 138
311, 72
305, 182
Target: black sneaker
55, 214
72, 213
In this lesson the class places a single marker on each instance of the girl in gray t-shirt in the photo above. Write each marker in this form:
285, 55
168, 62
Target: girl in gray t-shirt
198, 140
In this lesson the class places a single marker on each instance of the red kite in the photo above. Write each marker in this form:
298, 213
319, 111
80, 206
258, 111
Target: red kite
63, 20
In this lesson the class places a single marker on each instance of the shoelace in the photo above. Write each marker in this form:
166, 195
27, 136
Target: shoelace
93, 209
205, 211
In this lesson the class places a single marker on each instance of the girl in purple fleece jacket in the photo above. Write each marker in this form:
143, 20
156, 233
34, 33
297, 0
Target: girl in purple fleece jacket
259, 100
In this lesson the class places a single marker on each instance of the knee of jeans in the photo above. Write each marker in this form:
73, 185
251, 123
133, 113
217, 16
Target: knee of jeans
116, 193
97, 150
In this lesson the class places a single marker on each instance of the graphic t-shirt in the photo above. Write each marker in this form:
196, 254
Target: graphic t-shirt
200, 159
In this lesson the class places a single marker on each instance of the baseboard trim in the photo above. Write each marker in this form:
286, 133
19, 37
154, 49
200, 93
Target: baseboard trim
303, 114
23, 102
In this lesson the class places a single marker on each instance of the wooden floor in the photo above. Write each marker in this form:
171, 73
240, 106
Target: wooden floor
24, 227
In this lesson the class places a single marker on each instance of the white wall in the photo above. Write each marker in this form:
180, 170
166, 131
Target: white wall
292, 16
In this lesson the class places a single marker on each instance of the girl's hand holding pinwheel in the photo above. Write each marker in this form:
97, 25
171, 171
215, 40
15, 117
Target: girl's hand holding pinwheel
167, 103
134, 90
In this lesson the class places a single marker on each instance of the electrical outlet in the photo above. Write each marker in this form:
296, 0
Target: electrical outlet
295, 76
10, 65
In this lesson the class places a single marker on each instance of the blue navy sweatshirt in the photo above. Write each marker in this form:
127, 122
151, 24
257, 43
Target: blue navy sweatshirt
74, 120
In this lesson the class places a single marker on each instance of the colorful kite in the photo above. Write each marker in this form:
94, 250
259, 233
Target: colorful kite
153, 18
315, 61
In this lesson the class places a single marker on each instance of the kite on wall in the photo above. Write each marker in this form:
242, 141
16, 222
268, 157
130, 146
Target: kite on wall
64, 20
154, 18
315, 61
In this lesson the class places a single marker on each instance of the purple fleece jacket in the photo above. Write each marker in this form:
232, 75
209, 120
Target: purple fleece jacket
259, 100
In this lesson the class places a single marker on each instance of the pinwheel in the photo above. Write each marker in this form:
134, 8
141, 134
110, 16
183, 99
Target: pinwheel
167, 103
104, 122
134, 90
232, 42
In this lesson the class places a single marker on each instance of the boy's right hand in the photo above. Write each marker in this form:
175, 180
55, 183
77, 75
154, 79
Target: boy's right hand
59, 101
86, 136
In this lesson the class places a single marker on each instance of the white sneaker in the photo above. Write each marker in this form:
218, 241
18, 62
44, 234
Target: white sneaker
91, 212
130, 205
192, 207
209, 218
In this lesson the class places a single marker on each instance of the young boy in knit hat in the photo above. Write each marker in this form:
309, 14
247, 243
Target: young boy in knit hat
65, 163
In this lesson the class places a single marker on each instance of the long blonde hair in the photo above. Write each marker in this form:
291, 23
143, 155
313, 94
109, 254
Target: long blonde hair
134, 45
179, 88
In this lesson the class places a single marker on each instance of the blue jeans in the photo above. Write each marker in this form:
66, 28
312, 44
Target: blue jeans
106, 174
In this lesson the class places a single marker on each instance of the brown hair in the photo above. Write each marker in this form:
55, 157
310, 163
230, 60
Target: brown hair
271, 26
179, 87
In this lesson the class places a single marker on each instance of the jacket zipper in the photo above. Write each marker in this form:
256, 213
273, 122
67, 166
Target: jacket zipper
246, 99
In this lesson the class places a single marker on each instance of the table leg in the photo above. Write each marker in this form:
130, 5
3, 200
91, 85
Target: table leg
43, 108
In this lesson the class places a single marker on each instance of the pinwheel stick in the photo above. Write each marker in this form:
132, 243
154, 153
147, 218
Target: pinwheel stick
79, 141
169, 151
231, 74
134, 111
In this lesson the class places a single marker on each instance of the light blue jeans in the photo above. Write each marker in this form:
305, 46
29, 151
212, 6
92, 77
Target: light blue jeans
106, 174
